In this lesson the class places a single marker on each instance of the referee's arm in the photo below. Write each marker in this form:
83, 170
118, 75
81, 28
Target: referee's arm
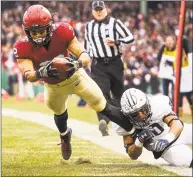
125, 35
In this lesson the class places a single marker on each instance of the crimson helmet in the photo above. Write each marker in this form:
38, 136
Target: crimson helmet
37, 17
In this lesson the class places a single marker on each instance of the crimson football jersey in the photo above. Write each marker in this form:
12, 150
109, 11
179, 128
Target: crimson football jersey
62, 35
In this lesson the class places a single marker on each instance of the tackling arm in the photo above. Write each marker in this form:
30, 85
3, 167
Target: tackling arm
134, 149
77, 49
176, 126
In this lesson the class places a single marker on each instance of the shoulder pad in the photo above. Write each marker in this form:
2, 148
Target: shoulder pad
21, 49
63, 30
160, 107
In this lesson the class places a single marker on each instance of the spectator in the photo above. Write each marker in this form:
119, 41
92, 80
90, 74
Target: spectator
186, 76
149, 31
166, 59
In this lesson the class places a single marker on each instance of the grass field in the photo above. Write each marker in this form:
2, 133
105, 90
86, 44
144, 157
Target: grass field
79, 113
29, 149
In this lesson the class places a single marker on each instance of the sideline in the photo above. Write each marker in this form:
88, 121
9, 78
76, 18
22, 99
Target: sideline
90, 132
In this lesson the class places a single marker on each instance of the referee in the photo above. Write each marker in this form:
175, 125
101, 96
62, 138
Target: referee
103, 36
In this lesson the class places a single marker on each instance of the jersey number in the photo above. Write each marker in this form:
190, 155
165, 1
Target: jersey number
15, 52
157, 129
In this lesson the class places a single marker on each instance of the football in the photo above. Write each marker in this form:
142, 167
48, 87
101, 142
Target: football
61, 64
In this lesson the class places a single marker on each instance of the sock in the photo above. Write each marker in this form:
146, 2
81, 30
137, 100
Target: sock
103, 117
61, 121
116, 116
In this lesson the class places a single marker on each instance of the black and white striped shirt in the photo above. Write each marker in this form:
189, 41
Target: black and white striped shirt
96, 32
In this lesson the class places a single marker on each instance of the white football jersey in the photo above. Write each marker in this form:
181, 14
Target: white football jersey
160, 107
178, 153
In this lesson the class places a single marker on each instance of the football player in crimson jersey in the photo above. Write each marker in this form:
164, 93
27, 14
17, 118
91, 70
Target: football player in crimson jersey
159, 129
44, 41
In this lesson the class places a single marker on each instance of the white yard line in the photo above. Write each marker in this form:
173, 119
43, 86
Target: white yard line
90, 132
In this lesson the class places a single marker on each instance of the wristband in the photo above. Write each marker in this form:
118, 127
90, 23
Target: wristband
138, 143
170, 137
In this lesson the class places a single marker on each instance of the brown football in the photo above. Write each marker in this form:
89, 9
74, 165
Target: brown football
61, 64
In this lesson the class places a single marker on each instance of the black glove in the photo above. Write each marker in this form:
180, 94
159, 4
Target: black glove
134, 135
145, 135
160, 145
74, 66
46, 71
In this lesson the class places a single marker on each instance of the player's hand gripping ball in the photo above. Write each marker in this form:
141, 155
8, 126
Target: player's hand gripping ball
63, 66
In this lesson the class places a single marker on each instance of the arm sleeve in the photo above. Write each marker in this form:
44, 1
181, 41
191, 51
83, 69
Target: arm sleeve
124, 33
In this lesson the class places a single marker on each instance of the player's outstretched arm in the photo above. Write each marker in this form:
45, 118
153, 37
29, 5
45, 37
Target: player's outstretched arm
44, 71
133, 148
175, 124
176, 127
78, 49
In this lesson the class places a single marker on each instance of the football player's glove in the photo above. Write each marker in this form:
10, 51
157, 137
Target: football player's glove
46, 71
76, 64
160, 145
145, 135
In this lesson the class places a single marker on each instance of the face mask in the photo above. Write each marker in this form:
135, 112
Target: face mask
39, 40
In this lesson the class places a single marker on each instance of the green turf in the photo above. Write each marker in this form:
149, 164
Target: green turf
29, 149
79, 113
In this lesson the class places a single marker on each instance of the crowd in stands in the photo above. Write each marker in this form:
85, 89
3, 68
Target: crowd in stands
140, 58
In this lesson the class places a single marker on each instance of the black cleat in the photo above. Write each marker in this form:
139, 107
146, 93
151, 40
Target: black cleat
103, 128
66, 148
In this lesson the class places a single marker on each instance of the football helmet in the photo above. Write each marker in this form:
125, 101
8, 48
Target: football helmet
37, 18
135, 105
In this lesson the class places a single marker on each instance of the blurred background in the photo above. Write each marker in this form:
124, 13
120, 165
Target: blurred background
150, 23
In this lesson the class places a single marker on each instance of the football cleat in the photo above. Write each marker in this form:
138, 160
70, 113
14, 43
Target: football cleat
66, 148
103, 128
